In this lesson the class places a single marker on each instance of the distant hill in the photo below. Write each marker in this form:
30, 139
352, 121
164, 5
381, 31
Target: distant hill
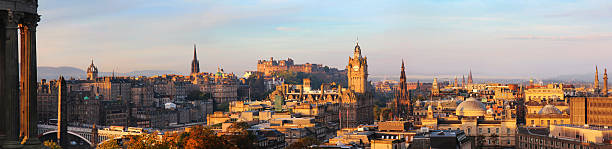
51, 73
587, 77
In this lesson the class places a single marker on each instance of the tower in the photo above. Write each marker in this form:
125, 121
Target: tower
435, 91
470, 81
403, 104
596, 83
62, 124
605, 85
463, 80
456, 83
195, 64
357, 71
92, 71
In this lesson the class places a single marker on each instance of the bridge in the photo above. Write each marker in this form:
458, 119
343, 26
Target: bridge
80, 137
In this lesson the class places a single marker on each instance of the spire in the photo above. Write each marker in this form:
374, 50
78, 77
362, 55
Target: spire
470, 81
605, 79
462, 80
195, 64
596, 83
195, 55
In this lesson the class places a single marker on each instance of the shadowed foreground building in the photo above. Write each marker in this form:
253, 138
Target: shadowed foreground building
18, 120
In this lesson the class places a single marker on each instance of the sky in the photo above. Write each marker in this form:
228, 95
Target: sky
514, 38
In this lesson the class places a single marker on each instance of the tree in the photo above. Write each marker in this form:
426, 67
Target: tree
198, 95
146, 141
51, 145
109, 144
204, 138
241, 137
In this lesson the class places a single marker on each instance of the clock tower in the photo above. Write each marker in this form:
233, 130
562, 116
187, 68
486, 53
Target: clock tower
357, 71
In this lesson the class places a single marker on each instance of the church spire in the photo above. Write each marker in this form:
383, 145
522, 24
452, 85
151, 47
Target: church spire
605, 79
596, 83
195, 55
470, 81
195, 64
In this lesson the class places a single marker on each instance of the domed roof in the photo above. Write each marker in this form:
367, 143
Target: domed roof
471, 107
550, 109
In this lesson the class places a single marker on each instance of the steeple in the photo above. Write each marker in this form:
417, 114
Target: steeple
596, 83
92, 71
463, 80
605, 79
195, 64
470, 81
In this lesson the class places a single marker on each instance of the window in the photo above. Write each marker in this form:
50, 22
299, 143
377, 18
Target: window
488, 130
479, 130
508, 130
496, 130
532, 122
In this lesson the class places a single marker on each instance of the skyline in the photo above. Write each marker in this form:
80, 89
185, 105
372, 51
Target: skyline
492, 38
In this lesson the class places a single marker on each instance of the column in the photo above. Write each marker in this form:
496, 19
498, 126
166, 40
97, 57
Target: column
29, 115
2, 75
11, 83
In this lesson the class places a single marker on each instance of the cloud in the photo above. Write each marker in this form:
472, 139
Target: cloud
282, 28
564, 38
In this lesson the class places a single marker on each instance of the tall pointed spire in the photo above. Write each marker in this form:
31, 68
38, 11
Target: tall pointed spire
596, 83
470, 81
605, 79
195, 55
463, 80
195, 64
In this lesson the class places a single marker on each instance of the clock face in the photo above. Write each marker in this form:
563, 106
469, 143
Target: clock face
355, 68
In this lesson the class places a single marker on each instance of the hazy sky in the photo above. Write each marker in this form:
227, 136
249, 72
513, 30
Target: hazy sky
495, 38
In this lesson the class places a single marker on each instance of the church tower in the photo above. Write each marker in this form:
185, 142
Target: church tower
596, 83
357, 71
470, 81
435, 90
92, 71
195, 64
605, 79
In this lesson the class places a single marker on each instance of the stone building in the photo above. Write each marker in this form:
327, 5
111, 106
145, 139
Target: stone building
591, 111
486, 129
354, 104
550, 93
269, 67
547, 116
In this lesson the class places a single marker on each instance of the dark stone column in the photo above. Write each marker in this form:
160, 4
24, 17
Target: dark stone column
11, 83
2, 74
29, 116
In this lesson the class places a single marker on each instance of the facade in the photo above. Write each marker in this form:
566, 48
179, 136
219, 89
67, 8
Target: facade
563, 137
550, 93
591, 111
269, 67
547, 116
486, 129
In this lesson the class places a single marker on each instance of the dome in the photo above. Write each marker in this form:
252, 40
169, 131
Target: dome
471, 107
549, 109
